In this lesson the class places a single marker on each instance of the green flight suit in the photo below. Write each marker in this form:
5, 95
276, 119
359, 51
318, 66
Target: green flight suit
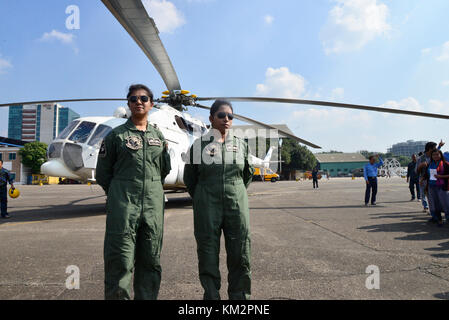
131, 168
220, 202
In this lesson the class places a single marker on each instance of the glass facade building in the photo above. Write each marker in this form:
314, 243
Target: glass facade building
38, 122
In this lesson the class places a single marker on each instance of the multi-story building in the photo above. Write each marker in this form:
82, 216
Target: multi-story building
38, 122
407, 148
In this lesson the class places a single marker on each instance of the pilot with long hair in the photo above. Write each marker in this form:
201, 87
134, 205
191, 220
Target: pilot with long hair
217, 174
132, 164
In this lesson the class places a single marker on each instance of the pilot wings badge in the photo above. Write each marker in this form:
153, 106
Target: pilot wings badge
134, 142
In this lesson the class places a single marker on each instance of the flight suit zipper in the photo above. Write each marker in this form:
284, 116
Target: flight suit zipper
144, 150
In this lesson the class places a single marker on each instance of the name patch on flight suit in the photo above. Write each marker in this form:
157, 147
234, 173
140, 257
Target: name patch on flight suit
230, 147
134, 142
102, 152
154, 142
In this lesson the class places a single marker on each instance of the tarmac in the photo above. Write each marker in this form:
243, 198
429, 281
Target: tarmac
306, 244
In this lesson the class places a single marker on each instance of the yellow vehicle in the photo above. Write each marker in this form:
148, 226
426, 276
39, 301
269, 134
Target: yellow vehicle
267, 174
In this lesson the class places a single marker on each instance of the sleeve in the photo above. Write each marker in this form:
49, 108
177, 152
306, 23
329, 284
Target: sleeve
106, 160
190, 173
417, 164
165, 160
248, 170
365, 172
10, 180
409, 170
380, 163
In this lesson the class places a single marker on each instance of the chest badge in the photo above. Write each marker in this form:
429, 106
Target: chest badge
134, 142
230, 147
211, 151
154, 142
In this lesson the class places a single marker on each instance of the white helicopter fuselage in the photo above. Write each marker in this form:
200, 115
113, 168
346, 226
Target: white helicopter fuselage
74, 153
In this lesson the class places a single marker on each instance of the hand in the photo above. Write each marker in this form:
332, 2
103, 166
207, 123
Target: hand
438, 176
407, 180
367, 182
441, 143
12, 186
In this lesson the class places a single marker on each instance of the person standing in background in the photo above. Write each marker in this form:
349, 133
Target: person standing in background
370, 174
412, 179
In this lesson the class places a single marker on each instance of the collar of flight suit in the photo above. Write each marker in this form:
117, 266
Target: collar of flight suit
131, 126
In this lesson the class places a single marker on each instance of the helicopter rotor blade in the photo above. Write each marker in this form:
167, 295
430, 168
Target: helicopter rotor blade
267, 126
133, 16
58, 101
329, 104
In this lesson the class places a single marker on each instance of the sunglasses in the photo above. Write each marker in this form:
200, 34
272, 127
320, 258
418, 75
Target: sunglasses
222, 115
134, 99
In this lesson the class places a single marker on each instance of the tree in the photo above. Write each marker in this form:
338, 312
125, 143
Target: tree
34, 154
296, 156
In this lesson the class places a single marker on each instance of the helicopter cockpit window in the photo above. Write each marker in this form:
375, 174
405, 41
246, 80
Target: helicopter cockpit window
65, 133
101, 132
188, 126
82, 132
181, 122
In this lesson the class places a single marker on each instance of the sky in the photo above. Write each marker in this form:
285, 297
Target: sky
390, 53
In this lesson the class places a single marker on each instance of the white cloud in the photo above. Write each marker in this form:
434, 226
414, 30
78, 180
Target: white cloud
165, 14
353, 23
446, 83
338, 94
444, 55
426, 51
268, 19
66, 38
409, 103
4, 65
282, 83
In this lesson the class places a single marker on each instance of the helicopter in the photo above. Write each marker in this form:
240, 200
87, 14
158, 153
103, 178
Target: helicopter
73, 154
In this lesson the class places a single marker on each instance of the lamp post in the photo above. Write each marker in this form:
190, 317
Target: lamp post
280, 158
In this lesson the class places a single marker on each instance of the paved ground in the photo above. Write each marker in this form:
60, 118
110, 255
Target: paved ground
306, 244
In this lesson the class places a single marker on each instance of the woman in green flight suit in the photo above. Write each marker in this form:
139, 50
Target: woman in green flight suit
217, 174
132, 164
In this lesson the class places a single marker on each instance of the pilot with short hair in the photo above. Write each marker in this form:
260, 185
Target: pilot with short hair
132, 164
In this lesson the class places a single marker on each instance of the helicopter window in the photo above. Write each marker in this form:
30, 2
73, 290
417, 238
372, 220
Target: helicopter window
55, 150
188, 126
181, 122
65, 133
101, 132
82, 132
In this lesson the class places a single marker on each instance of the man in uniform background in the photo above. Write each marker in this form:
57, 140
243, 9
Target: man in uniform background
5, 177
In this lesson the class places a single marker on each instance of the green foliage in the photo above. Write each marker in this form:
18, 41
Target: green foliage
34, 154
296, 156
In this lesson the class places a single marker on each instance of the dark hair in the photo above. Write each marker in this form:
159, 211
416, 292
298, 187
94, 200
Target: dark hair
135, 87
219, 103
370, 157
440, 152
429, 146
420, 153
1, 161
